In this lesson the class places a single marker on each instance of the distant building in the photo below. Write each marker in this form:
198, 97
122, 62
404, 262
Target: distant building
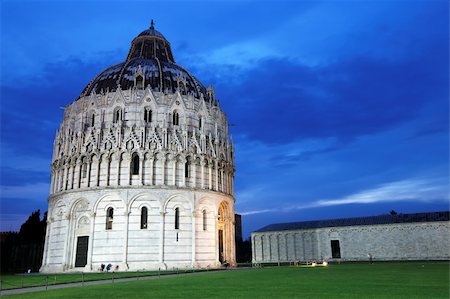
238, 227
142, 170
420, 236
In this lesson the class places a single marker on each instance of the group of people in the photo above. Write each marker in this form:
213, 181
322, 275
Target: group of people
107, 268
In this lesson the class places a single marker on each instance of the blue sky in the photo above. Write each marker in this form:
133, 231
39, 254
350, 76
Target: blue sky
340, 108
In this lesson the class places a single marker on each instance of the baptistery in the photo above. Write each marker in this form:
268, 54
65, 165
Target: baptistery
142, 170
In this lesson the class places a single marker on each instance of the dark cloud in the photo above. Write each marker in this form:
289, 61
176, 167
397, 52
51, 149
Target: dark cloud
31, 109
280, 100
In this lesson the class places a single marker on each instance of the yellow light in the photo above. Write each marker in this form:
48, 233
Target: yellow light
313, 264
325, 263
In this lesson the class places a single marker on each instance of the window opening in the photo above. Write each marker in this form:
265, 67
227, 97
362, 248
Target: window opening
177, 218
204, 220
175, 119
144, 217
186, 169
109, 218
135, 164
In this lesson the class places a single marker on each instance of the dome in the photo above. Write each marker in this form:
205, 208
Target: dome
149, 63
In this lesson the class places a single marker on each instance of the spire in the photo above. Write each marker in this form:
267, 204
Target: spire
152, 25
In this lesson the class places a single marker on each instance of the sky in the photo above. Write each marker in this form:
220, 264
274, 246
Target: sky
338, 108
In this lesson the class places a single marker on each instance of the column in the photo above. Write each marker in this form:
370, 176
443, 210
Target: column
222, 188
66, 261
99, 169
77, 174
193, 238
56, 181
210, 176
141, 173
64, 178
119, 160
91, 241
184, 173
174, 171
53, 185
125, 239
72, 183
89, 165
216, 237
194, 174
69, 177
202, 165
127, 162
47, 242
163, 179
161, 238
151, 171
216, 165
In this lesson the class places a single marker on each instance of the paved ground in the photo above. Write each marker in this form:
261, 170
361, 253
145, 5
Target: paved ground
96, 282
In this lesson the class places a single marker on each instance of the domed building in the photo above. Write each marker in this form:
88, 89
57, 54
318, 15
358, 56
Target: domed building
142, 170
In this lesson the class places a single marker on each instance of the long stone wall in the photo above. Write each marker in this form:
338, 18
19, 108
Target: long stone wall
405, 241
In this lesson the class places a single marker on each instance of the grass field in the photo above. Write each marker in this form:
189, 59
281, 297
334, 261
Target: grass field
15, 281
379, 280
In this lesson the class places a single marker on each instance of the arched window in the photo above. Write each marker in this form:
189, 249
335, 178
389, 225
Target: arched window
109, 218
177, 218
186, 169
84, 167
144, 217
147, 115
175, 118
118, 116
135, 163
200, 123
92, 119
140, 82
181, 88
204, 220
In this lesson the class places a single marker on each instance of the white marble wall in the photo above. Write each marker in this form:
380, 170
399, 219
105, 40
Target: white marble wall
404, 241
159, 245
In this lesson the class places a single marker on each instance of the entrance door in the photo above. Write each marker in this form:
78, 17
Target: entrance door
221, 257
82, 250
335, 249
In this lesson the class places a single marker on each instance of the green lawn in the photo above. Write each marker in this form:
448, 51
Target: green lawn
380, 280
31, 280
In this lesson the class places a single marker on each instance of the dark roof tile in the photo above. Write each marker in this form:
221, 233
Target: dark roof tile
371, 220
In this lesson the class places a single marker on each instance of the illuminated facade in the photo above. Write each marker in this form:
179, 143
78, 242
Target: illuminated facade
142, 170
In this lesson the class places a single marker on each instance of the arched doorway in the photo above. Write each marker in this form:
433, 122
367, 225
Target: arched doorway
225, 235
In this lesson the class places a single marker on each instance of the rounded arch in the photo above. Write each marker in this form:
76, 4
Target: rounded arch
148, 113
59, 208
223, 210
83, 221
205, 203
177, 116
79, 202
113, 196
190, 206
118, 113
150, 202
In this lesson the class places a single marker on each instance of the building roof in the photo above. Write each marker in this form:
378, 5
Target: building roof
150, 57
371, 220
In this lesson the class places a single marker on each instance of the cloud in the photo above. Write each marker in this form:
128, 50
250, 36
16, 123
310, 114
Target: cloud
411, 190
33, 191
280, 100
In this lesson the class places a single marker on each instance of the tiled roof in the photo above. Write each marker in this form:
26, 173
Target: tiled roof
371, 220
